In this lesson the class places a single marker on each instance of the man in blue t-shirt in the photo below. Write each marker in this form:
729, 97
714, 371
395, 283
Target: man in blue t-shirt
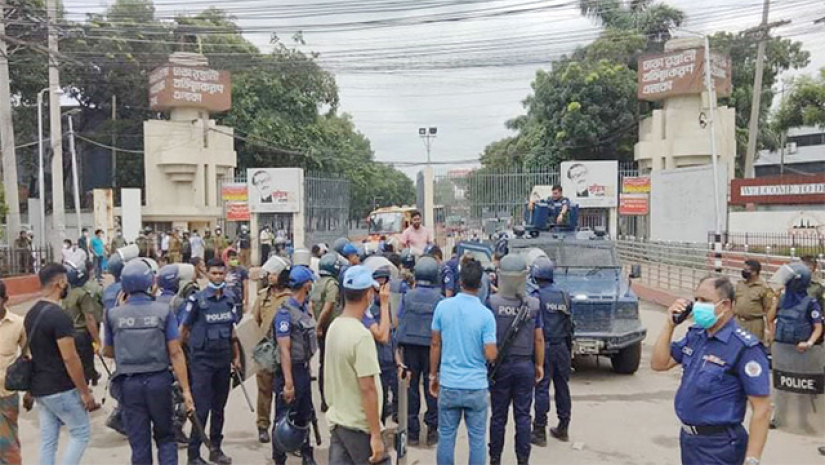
463, 341
99, 252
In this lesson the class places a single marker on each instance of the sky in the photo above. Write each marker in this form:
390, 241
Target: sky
465, 77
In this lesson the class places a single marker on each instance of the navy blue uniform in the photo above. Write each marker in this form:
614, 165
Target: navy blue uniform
210, 318
558, 339
719, 373
449, 276
139, 332
515, 378
287, 324
386, 359
110, 295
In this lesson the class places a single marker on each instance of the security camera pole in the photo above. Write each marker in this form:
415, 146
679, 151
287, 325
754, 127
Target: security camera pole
427, 135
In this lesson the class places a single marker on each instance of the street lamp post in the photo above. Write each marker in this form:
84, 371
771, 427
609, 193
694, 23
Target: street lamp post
427, 135
41, 184
75, 176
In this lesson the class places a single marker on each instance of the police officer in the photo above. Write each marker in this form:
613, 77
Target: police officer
816, 290
326, 306
407, 267
81, 307
449, 275
169, 284
799, 317
270, 299
723, 369
521, 364
754, 300
142, 336
414, 332
187, 286
295, 332
110, 299
208, 329
378, 320
142, 242
558, 337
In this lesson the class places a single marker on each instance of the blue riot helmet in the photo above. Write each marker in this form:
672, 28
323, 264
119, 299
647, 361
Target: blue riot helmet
428, 249
542, 269
137, 276
502, 246
407, 259
168, 278
426, 271
348, 250
328, 265
114, 265
512, 276
289, 437
383, 272
339, 244
300, 275
801, 277
76, 275
363, 252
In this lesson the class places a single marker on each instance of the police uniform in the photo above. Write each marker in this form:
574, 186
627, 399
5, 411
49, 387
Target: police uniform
796, 318
753, 301
210, 319
167, 298
414, 333
449, 276
386, 360
516, 375
139, 331
174, 249
719, 373
266, 305
77, 305
294, 321
324, 291
556, 207
558, 339
143, 245
110, 295
817, 292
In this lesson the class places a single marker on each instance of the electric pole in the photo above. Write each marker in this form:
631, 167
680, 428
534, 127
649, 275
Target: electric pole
55, 128
427, 135
7, 152
763, 32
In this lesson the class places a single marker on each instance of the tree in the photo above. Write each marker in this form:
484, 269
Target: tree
652, 20
805, 105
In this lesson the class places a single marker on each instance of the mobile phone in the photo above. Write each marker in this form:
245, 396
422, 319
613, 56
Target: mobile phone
679, 318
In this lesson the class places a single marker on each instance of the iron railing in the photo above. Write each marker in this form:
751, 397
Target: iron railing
799, 244
16, 261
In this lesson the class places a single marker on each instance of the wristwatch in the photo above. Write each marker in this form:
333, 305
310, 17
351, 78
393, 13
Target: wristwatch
751, 461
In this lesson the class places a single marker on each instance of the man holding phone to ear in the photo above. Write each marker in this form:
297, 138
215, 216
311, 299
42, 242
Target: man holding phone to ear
725, 368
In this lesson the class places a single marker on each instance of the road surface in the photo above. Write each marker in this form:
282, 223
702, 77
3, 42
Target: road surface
621, 420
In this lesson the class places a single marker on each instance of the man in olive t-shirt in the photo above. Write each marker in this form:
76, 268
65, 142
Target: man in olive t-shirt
352, 376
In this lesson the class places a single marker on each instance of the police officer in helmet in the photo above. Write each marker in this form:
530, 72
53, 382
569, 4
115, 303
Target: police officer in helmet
214, 350
414, 333
378, 320
142, 336
724, 368
521, 364
558, 338
799, 317
295, 332
82, 308
114, 266
326, 306
167, 283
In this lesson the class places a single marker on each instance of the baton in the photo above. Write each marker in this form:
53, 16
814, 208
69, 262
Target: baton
315, 427
108, 379
199, 428
243, 389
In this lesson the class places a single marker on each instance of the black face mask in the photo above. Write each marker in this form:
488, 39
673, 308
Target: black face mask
746, 274
65, 292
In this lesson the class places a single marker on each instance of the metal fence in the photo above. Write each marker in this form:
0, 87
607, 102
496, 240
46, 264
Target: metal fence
21, 261
465, 200
794, 245
679, 266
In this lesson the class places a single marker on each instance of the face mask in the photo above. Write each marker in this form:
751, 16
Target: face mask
65, 292
704, 314
746, 274
234, 262
66, 246
217, 287
119, 234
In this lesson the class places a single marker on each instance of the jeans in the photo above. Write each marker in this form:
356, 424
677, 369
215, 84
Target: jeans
452, 403
60, 409
98, 262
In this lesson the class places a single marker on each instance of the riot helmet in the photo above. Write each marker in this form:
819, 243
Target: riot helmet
512, 276
339, 244
329, 265
289, 437
408, 259
76, 276
114, 265
426, 271
168, 278
301, 257
801, 277
137, 276
542, 269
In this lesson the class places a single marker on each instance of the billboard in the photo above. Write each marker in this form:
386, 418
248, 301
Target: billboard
681, 73
234, 192
591, 184
782, 190
275, 190
634, 204
636, 185
186, 86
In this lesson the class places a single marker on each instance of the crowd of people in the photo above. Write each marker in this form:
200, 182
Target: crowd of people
471, 344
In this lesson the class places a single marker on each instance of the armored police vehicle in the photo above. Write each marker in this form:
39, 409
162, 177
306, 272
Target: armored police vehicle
605, 309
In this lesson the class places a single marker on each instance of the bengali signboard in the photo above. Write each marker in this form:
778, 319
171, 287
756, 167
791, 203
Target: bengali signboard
173, 86
805, 190
237, 211
591, 184
275, 190
634, 204
234, 192
636, 185
681, 73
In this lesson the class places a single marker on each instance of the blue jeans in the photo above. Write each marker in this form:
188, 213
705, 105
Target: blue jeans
60, 409
452, 403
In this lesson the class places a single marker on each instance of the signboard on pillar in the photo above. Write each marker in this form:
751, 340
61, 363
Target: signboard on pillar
104, 211
131, 217
174, 85
275, 190
681, 73
591, 184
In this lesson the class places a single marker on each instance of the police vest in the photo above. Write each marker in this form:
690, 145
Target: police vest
450, 268
416, 323
505, 310
302, 334
110, 296
212, 330
179, 300
385, 353
139, 331
793, 324
555, 314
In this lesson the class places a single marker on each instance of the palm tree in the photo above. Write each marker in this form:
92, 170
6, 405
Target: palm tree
654, 20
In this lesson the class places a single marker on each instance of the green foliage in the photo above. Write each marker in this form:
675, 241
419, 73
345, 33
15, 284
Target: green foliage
805, 105
651, 20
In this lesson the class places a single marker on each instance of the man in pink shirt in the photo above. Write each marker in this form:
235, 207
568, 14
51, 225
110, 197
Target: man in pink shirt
416, 236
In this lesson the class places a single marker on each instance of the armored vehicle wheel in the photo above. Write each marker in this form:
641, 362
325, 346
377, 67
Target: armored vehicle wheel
627, 361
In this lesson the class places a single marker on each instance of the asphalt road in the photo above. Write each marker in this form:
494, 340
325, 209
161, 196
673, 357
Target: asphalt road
627, 420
